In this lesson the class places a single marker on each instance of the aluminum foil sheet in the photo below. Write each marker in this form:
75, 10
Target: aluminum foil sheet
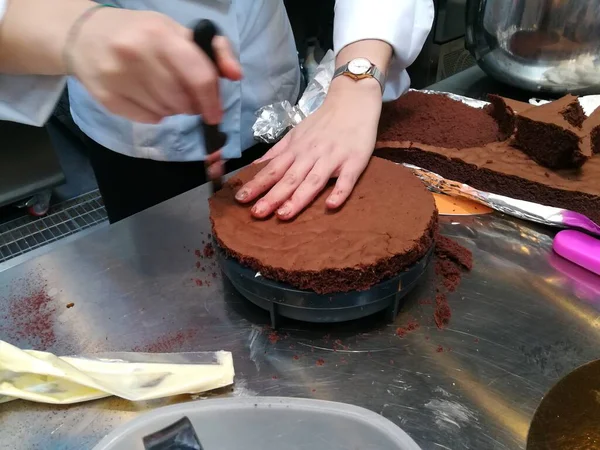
533, 212
275, 120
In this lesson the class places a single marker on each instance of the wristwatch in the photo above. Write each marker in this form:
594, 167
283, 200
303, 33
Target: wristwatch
360, 68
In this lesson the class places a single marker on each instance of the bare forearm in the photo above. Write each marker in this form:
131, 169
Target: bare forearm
33, 34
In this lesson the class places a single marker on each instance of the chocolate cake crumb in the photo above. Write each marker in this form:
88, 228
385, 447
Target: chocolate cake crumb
450, 258
70, 305
450, 273
452, 250
412, 325
235, 183
443, 122
442, 313
209, 250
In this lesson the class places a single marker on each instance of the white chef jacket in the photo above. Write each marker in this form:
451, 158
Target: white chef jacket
261, 35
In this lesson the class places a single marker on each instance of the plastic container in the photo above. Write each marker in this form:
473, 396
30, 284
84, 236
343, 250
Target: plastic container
268, 423
580, 248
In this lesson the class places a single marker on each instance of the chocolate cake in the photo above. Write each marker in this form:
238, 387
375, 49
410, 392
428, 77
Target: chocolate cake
503, 111
552, 134
387, 224
494, 167
591, 130
431, 119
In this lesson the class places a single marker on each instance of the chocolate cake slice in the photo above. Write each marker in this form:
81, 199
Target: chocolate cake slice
498, 167
552, 134
436, 119
388, 224
504, 110
591, 131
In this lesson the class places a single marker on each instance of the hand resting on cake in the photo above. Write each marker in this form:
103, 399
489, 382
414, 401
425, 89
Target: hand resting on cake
336, 141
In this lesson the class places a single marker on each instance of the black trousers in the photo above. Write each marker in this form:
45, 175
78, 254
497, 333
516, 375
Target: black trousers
130, 185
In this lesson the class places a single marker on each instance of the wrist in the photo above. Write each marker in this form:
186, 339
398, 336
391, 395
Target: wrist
85, 15
366, 86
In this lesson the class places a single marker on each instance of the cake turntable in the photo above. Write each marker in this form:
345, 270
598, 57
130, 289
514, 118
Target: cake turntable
283, 300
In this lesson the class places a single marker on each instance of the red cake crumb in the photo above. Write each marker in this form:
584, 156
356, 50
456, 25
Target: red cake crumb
442, 312
450, 273
446, 248
209, 250
410, 326
273, 337
320, 362
198, 253
296, 357
450, 259
439, 349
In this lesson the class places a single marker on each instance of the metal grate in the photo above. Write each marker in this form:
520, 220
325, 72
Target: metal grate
28, 233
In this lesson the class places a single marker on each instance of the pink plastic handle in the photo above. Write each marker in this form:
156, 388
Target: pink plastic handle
580, 248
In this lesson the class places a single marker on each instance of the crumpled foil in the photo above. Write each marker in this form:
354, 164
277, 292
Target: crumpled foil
275, 120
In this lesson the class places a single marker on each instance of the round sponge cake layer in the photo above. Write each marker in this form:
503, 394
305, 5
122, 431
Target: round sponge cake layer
387, 224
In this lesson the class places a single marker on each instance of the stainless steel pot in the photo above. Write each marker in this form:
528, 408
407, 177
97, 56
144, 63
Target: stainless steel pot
538, 45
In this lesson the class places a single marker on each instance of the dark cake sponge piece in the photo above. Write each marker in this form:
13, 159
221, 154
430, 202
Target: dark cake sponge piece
505, 170
432, 119
591, 131
504, 111
388, 223
552, 134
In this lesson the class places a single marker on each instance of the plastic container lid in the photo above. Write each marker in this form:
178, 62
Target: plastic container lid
268, 423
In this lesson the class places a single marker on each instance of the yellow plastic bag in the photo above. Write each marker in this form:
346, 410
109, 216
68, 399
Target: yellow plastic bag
44, 377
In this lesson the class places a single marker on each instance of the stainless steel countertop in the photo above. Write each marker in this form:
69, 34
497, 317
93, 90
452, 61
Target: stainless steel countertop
518, 325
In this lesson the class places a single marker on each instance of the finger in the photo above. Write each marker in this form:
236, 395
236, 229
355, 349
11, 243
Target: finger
265, 179
312, 185
216, 170
284, 188
349, 174
227, 63
130, 109
198, 75
276, 150
213, 157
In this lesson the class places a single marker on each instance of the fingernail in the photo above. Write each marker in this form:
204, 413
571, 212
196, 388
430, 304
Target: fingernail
284, 210
258, 209
241, 195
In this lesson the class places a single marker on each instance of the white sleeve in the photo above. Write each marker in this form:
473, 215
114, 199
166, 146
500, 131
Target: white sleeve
404, 24
28, 99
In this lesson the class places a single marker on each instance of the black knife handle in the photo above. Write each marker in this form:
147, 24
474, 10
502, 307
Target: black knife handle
204, 33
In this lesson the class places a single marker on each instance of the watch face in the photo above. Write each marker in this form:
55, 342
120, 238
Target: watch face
359, 66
